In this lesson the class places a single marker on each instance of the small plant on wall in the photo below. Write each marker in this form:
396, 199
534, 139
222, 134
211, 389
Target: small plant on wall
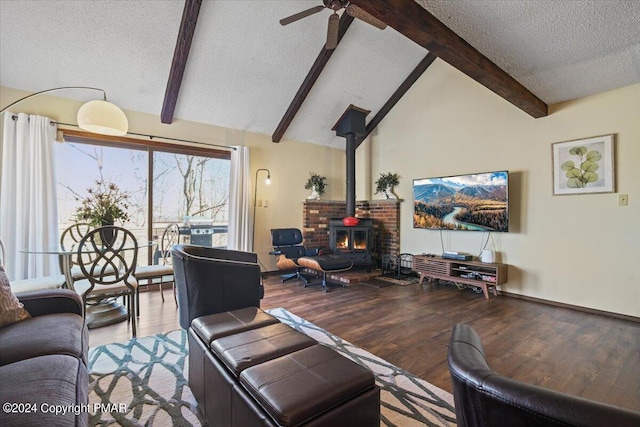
385, 184
317, 184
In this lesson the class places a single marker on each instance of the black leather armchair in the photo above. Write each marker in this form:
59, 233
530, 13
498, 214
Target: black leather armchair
287, 246
485, 398
210, 280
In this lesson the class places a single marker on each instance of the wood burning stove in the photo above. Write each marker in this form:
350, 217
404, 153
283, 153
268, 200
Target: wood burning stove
354, 242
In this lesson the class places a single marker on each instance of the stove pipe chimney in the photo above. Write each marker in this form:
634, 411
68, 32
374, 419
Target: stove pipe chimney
351, 126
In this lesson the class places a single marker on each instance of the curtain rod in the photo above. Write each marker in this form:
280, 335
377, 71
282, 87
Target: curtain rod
14, 117
162, 137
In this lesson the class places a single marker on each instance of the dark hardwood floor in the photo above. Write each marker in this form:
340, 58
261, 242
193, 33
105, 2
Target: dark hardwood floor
579, 353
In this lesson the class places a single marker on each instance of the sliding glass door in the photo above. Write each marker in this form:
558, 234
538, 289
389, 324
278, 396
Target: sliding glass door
193, 191
84, 167
166, 186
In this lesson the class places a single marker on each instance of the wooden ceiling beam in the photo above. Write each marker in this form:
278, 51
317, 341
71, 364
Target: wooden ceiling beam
393, 100
309, 81
417, 24
180, 56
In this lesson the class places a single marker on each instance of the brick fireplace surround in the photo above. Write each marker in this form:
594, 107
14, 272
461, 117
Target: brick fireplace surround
384, 213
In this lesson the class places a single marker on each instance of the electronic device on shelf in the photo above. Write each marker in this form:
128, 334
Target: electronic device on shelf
462, 273
457, 256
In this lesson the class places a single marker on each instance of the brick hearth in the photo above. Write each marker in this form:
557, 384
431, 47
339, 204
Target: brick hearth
386, 223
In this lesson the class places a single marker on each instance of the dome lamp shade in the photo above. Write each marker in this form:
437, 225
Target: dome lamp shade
102, 117
99, 116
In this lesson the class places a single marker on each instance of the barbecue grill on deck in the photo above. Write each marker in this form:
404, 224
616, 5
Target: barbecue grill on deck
200, 230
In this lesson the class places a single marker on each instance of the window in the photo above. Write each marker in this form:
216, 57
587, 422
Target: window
191, 189
166, 183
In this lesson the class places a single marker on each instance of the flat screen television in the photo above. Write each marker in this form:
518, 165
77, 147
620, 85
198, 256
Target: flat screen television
474, 202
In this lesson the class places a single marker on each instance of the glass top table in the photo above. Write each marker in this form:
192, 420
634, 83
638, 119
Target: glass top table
98, 315
66, 255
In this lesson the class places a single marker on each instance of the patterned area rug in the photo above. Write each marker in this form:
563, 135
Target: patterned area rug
146, 380
147, 375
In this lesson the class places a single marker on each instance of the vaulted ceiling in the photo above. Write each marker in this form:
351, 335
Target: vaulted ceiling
243, 69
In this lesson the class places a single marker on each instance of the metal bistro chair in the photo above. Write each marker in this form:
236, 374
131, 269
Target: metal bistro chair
69, 240
108, 269
170, 237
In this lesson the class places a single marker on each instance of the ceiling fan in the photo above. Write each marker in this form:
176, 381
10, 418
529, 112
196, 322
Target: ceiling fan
334, 18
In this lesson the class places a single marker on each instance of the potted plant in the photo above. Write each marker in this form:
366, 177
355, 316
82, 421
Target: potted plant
316, 183
385, 184
104, 205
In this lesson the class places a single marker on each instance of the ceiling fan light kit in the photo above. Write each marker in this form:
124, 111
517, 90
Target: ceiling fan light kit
334, 18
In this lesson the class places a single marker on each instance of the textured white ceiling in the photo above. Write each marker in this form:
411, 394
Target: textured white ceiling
122, 47
244, 68
559, 50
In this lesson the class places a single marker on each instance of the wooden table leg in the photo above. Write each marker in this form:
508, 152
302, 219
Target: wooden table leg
485, 291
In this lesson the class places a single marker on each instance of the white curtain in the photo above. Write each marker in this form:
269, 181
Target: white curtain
28, 202
240, 226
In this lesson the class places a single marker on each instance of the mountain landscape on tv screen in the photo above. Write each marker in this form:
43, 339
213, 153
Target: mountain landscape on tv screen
468, 202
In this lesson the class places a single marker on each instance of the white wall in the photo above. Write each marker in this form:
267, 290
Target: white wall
582, 250
289, 161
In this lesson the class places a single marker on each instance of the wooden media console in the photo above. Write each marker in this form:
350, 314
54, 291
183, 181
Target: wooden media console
481, 274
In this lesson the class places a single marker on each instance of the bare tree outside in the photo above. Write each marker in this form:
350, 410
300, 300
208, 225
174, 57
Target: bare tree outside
198, 186
79, 166
184, 186
190, 187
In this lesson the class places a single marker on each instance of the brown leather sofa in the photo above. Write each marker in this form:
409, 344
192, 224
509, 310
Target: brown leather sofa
43, 362
486, 398
211, 280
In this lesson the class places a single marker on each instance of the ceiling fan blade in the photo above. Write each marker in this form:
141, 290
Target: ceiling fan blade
300, 15
332, 31
356, 12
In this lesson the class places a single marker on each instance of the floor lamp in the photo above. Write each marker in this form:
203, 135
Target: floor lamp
255, 203
97, 116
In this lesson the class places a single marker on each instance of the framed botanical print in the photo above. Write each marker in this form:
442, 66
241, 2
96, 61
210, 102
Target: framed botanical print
583, 166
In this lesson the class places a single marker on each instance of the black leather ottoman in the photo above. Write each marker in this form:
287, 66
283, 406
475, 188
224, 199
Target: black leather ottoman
219, 325
241, 351
206, 329
225, 399
326, 264
269, 374
315, 386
